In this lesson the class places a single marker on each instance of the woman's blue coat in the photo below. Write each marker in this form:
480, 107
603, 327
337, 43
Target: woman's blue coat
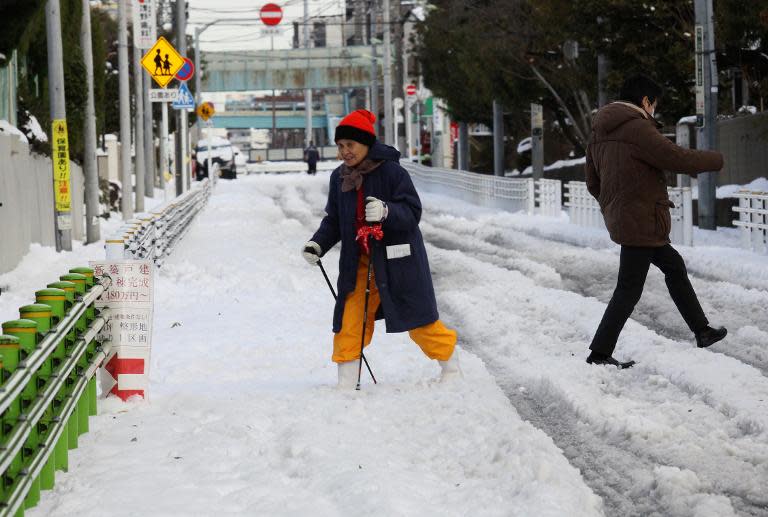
405, 283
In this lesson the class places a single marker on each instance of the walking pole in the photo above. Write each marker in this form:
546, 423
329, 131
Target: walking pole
328, 281
365, 317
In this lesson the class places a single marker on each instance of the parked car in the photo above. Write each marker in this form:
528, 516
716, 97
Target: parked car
222, 154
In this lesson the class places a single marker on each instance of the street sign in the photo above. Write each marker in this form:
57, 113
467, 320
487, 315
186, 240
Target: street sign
185, 99
162, 62
187, 70
410, 90
271, 14
61, 191
163, 95
144, 24
205, 110
270, 31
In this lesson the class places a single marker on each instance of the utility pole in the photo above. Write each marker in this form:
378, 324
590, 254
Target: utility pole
149, 140
602, 73
182, 173
165, 166
126, 202
463, 146
138, 126
389, 115
537, 140
308, 87
706, 107
92, 227
498, 139
374, 68
198, 81
62, 214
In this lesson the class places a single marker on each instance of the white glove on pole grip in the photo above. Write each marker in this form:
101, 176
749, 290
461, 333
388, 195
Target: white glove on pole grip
375, 210
311, 252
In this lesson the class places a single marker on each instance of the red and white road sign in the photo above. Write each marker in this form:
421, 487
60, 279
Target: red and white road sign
271, 14
410, 90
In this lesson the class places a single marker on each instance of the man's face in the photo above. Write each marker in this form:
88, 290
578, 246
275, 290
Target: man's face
650, 107
352, 152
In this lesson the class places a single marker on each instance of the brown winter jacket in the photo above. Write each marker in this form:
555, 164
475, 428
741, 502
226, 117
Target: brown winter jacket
625, 159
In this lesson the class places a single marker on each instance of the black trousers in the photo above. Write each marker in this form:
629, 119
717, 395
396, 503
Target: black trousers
633, 268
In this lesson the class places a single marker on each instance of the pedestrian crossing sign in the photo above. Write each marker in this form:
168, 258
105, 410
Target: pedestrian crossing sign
162, 62
185, 99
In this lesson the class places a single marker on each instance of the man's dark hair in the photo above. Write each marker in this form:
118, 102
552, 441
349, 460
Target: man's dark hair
638, 86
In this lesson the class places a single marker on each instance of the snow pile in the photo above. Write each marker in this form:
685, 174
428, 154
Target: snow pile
33, 128
8, 128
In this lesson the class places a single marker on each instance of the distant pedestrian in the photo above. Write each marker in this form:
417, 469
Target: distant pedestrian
626, 157
311, 155
370, 194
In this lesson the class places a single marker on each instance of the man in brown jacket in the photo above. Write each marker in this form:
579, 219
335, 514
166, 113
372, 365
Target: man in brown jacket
626, 158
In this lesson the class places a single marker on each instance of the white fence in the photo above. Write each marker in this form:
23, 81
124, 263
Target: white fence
507, 193
753, 220
544, 197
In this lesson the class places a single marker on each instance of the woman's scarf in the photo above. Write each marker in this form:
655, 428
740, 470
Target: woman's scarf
352, 177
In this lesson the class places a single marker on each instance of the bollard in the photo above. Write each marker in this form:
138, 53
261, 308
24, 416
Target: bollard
77, 279
39, 313
56, 300
115, 248
70, 290
26, 331
87, 273
9, 360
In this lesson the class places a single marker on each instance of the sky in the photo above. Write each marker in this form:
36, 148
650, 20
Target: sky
246, 35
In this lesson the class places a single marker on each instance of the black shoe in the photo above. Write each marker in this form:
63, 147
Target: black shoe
710, 336
602, 360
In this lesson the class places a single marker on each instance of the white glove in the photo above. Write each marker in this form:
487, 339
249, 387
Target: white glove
375, 210
311, 252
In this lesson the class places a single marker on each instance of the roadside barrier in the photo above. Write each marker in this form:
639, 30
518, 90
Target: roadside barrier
48, 358
543, 197
153, 235
753, 220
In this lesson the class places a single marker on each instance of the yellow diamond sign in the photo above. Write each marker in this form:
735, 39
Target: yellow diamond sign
162, 62
205, 110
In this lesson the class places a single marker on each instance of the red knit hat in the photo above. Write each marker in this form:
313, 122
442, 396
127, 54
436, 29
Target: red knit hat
357, 126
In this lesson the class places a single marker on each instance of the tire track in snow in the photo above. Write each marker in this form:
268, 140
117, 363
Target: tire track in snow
592, 273
626, 458
628, 480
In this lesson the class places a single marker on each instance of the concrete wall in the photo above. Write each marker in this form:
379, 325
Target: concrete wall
26, 194
744, 144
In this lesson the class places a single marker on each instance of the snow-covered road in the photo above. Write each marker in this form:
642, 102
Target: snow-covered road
242, 419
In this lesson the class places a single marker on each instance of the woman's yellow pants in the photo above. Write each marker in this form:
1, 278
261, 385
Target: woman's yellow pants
435, 339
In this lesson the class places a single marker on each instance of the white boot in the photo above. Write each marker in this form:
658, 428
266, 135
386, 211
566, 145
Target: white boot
450, 368
348, 375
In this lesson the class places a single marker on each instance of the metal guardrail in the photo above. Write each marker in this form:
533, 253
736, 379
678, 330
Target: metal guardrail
153, 235
753, 220
508, 193
542, 197
49, 358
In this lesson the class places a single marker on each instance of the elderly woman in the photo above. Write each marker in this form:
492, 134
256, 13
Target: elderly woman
371, 188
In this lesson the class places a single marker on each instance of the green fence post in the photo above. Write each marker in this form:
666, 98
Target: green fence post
9, 360
87, 273
42, 314
26, 331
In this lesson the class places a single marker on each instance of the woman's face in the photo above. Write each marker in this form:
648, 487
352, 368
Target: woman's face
352, 152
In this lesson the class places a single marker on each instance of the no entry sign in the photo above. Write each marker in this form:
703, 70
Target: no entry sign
271, 14
410, 90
